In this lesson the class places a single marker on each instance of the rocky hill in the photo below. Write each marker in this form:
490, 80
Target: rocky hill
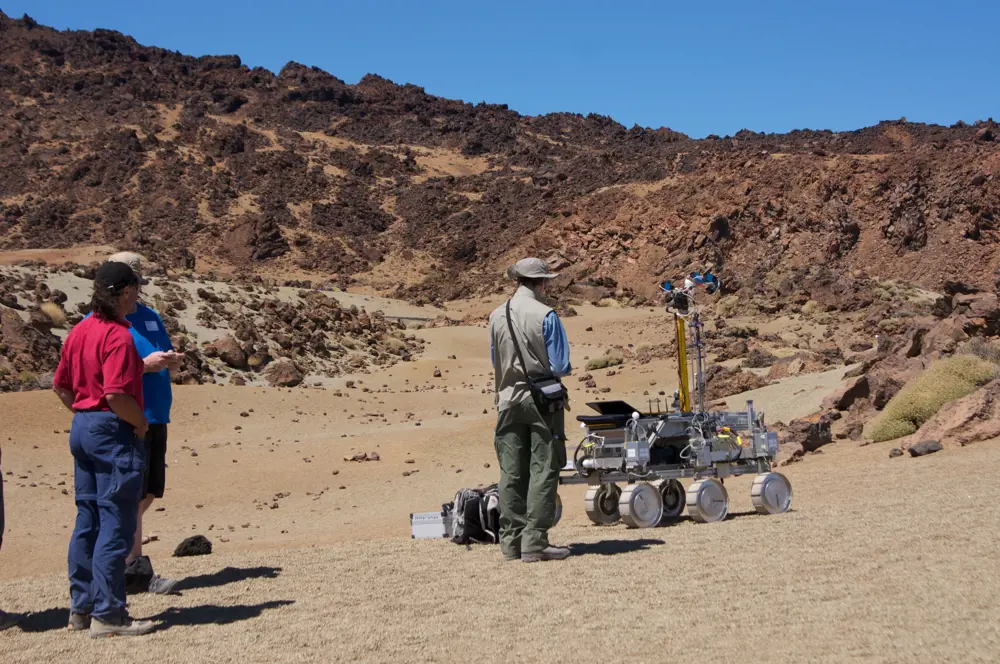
205, 163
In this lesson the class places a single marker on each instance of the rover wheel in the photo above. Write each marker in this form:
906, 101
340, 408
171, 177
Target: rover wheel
707, 501
558, 511
771, 493
601, 503
674, 499
641, 505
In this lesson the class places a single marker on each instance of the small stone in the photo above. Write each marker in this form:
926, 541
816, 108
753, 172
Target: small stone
486, 465
895, 452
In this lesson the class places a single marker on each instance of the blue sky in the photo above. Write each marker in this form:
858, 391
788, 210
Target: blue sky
700, 67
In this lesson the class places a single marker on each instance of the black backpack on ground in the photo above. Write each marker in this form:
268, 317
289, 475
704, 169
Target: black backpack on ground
475, 516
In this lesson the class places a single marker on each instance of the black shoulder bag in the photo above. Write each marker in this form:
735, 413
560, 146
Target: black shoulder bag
548, 392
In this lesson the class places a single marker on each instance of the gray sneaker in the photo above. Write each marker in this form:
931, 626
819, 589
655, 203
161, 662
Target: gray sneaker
161, 586
78, 622
8, 620
548, 553
127, 627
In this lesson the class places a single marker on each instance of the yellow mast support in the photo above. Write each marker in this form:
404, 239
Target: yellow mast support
684, 387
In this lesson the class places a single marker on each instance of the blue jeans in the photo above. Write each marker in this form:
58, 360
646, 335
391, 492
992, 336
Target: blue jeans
108, 480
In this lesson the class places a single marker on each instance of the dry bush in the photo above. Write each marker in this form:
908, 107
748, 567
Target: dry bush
609, 360
394, 345
610, 303
809, 307
982, 349
54, 312
727, 306
945, 380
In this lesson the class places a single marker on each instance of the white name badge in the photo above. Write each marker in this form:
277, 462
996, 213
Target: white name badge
151, 326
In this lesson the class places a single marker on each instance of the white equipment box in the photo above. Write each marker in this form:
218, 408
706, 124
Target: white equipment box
430, 525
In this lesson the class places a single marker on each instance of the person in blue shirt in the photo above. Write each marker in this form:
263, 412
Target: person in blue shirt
556, 344
528, 343
154, 346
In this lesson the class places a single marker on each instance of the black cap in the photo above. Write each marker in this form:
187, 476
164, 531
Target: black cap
115, 277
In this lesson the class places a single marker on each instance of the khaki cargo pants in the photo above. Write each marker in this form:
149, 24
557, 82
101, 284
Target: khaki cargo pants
531, 449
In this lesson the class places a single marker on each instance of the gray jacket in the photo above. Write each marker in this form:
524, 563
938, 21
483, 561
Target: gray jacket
527, 316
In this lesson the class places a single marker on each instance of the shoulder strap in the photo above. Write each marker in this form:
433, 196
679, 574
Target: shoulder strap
517, 347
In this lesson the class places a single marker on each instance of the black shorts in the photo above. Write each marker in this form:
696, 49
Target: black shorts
155, 479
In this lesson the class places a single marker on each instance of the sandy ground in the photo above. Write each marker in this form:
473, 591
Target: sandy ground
880, 560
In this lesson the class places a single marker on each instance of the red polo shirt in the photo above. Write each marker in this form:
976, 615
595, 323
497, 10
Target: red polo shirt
99, 358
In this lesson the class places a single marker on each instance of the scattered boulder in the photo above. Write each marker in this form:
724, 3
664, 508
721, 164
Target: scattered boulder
363, 456
283, 373
721, 382
810, 433
964, 421
925, 447
758, 358
895, 452
230, 352
844, 398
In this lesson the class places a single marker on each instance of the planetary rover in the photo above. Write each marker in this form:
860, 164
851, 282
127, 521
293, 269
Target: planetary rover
633, 461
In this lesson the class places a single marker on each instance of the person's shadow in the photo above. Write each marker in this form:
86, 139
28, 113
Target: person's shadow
226, 576
612, 547
210, 614
206, 614
57, 618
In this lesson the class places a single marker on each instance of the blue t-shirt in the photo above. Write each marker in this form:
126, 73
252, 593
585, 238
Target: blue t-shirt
150, 336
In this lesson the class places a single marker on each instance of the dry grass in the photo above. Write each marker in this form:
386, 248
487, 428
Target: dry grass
945, 380
882, 579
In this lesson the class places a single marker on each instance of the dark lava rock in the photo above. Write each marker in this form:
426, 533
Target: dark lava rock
925, 447
196, 545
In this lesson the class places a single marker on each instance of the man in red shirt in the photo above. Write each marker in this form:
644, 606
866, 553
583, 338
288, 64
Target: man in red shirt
99, 378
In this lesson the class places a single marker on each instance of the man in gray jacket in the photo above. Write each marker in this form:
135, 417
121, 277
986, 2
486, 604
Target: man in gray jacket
530, 445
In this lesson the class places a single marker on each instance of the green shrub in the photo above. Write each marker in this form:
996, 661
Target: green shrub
610, 360
918, 401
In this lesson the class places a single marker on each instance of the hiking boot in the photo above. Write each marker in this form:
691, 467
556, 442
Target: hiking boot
161, 586
8, 620
78, 622
127, 627
548, 553
508, 557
